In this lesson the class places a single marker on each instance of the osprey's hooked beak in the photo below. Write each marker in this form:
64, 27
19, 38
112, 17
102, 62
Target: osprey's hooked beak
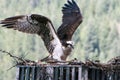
71, 46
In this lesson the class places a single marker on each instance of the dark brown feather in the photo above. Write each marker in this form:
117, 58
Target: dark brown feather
72, 18
14, 18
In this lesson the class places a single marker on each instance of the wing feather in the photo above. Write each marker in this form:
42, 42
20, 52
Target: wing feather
71, 19
34, 24
20, 23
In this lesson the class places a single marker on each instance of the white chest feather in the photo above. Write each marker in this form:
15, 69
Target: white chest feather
58, 51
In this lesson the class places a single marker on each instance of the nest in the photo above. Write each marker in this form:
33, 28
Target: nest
112, 65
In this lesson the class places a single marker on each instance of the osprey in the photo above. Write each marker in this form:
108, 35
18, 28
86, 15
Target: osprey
59, 43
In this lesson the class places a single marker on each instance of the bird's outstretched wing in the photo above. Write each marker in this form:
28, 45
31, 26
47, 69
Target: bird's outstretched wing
70, 21
34, 24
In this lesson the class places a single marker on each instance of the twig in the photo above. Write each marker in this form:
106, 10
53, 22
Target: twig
11, 67
21, 59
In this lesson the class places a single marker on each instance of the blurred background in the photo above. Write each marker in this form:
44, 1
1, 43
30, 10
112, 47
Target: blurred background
97, 38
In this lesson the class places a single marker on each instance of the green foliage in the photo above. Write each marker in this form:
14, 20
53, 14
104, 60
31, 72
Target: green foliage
98, 37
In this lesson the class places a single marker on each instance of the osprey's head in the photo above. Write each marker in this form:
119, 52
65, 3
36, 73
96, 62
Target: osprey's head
70, 44
67, 48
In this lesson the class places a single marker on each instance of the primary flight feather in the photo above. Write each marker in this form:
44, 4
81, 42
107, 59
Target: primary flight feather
59, 43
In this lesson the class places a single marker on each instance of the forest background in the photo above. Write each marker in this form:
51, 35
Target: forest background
97, 38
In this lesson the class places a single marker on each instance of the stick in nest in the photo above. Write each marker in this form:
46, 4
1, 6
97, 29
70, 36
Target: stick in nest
14, 57
19, 60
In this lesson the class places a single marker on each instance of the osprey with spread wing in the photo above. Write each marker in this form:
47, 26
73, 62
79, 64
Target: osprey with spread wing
59, 43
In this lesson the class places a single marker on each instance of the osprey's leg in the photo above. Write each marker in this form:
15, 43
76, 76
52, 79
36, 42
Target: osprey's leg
49, 59
44, 59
